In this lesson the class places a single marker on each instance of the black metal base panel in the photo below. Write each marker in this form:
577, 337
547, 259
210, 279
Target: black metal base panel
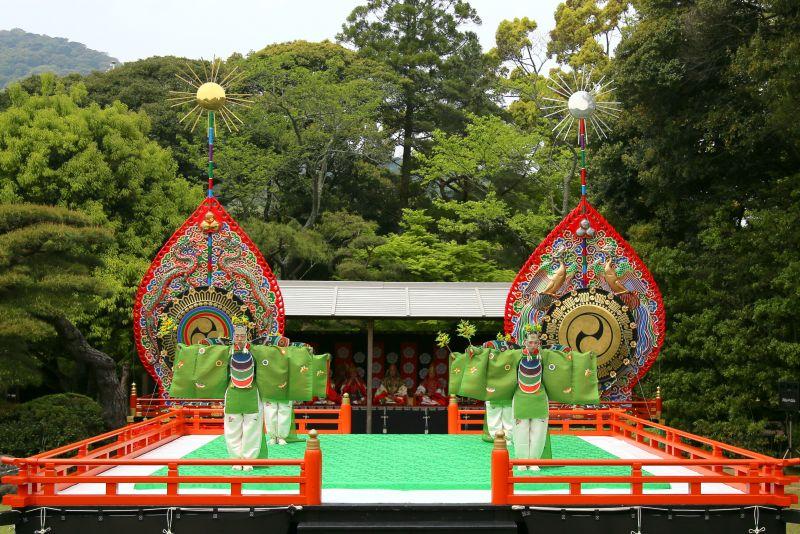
440, 519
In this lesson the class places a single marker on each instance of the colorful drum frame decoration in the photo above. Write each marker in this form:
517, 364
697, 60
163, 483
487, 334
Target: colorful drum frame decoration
208, 272
585, 258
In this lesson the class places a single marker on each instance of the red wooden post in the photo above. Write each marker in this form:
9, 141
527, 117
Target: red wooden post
452, 416
500, 470
21, 480
180, 421
777, 484
716, 452
754, 488
636, 473
196, 421
172, 473
83, 450
50, 487
313, 475
345, 415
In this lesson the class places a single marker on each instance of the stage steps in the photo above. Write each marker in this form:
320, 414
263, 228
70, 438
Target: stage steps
418, 527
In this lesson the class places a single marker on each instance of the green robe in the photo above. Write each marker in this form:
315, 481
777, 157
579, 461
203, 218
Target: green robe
241, 400
567, 377
290, 373
272, 372
200, 372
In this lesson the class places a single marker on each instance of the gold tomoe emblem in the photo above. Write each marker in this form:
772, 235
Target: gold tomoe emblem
584, 322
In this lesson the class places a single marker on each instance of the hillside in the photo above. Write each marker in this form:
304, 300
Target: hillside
23, 54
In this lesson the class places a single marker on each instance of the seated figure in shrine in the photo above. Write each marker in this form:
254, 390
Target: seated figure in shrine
339, 376
392, 389
430, 392
354, 386
331, 395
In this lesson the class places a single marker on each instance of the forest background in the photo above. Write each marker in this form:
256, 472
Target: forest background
405, 151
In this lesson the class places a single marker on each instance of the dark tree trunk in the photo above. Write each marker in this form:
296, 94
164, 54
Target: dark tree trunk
408, 141
112, 389
317, 186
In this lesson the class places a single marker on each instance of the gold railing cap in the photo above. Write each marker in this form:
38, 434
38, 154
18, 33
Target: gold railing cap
500, 440
312, 443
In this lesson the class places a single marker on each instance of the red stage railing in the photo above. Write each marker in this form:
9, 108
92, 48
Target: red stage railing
760, 478
334, 420
41, 478
469, 420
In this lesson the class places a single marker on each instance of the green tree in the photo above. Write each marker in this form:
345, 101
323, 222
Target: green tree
320, 102
145, 85
491, 156
517, 43
60, 150
703, 175
291, 249
48, 259
585, 30
353, 242
48, 422
418, 253
443, 72
512, 183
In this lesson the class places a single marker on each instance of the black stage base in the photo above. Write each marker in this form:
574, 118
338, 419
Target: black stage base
440, 519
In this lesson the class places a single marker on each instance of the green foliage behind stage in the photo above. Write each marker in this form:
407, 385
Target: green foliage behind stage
409, 155
48, 422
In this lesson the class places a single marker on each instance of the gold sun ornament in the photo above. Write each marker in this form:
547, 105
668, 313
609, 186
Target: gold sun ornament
583, 100
210, 96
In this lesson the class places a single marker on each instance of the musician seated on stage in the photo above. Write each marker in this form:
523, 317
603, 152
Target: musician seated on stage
354, 386
430, 392
331, 395
392, 390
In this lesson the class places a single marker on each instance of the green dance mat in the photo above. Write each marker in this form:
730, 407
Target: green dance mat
405, 462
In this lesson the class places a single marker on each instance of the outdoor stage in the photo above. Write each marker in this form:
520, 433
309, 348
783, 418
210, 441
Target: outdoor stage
605, 461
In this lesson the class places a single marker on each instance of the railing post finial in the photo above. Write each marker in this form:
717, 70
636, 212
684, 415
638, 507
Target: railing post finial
312, 443
346, 398
500, 440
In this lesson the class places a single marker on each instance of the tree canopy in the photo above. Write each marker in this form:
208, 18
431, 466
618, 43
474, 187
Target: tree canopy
702, 172
441, 68
48, 258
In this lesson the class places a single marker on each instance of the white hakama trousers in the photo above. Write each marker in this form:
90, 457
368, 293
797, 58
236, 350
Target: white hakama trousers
278, 417
500, 418
243, 434
530, 435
